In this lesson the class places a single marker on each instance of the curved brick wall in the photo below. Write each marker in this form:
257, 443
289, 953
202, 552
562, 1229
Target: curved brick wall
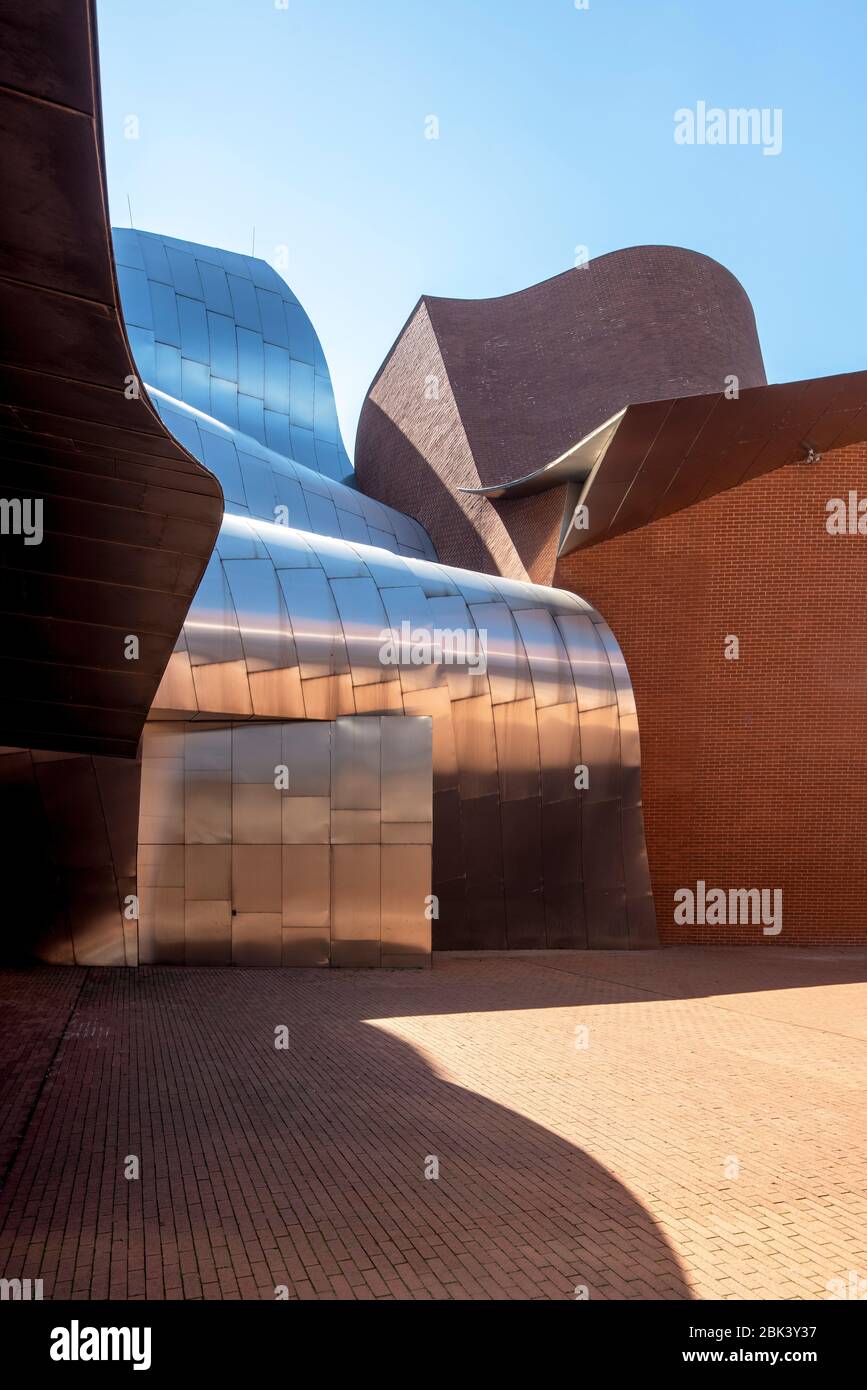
480, 391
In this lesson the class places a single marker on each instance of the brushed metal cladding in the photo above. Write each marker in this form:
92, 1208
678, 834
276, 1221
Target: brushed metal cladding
406, 753
231, 859
523, 686
356, 765
117, 519
236, 372
323, 604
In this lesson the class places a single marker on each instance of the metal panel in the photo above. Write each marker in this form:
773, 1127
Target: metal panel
208, 809
208, 747
257, 939
508, 670
600, 752
306, 886
262, 616
168, 926
355, 893
517, 749
362, 617
475, 746
407, 777
257, 752
355, 754
306, 752
223, 688
591, 670
256, 878
276, 693
559, 751
406, 832
161, 807
306, 820
207, 872
207, 932
325, 603
306, 946
256, 814
406, 885
211, 628
316, 626
355, 827
549, 664
522, 874
622, 683
160, 866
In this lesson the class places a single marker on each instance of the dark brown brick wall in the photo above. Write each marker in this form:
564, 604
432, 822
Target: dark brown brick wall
754, 771
521, 378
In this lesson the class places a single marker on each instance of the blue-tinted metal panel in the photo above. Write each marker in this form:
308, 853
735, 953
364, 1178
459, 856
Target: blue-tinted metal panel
141, 340
195, 384
262, 616
251, 364
301, 388
221, 457
323, 517
135, 297
291, 495
185, 276
245, 303
165, 314
126, 248
277, 380
168, 369
194, 330
277, 432
224, 401
303, 446
258, 486
215, 287
155, 258
182, 424
273, 319
224, 349
362, 616
324, 410
211, 629
300, 332
251, 419
316, 627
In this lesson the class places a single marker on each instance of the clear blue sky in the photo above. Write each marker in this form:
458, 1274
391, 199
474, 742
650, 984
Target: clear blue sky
556, 130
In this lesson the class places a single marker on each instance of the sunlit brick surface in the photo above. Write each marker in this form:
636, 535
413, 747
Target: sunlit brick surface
754, 771
560, 1165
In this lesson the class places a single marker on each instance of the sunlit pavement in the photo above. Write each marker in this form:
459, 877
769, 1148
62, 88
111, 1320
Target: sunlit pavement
686, 1123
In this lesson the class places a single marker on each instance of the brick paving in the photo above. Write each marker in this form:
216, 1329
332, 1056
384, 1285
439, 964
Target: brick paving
686, 1123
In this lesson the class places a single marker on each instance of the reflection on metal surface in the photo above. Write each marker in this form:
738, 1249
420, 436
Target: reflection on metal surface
512, 737
353, 747
297, 879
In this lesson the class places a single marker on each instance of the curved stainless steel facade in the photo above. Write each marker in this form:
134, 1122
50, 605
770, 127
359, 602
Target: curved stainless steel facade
298, 626
486, 722
342, 610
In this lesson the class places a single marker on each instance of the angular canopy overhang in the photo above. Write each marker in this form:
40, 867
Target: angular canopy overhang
657, 457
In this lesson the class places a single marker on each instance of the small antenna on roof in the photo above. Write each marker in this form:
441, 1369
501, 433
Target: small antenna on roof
253, 252
129, 205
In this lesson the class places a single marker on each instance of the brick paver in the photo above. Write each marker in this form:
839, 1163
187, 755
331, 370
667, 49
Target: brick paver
685, 1123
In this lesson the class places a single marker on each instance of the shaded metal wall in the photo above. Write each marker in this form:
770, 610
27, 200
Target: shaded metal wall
286, 843
69, 831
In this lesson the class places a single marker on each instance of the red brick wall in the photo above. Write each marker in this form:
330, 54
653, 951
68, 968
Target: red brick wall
755, 770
